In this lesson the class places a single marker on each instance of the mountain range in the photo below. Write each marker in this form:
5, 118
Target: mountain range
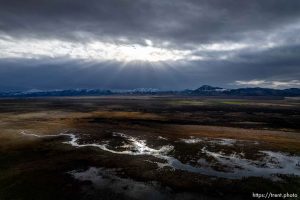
204, 90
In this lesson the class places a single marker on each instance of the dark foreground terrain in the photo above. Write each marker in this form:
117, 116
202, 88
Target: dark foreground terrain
139, 147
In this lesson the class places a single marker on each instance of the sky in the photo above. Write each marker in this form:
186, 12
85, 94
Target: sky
163, 44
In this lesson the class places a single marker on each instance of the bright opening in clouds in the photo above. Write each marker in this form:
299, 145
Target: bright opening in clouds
158, 44
269, 84
93, 51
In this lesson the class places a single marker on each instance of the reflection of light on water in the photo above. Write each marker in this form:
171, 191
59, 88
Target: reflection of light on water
191, 140
273, 163
224, 141
36, 135
236, 165
108, 179
139, 147
218, 141
162, 138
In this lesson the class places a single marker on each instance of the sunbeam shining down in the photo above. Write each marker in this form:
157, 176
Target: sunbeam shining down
91, 50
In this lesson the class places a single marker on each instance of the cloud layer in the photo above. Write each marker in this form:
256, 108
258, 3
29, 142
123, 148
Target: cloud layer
139, 43
270, 84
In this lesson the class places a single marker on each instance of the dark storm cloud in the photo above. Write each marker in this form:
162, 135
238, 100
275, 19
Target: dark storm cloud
191, 20
268, 29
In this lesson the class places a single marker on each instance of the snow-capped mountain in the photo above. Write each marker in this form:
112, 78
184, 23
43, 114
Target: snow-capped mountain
204, 90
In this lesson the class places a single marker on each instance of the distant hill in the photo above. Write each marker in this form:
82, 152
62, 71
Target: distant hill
49, 93
208, 90
263, 92
257, 91
204, 90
